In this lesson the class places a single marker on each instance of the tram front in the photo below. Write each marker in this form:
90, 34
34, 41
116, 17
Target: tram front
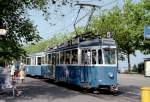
108, 69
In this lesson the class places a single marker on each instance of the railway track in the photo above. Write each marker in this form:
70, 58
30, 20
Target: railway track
122, 94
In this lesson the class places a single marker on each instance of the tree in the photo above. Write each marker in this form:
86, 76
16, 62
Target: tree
20, 30
127, 26
134, 69
146, 4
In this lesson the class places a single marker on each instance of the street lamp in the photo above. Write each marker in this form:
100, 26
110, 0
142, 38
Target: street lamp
3, 31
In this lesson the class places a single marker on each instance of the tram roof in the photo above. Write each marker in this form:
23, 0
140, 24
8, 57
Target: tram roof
80, 44
37, 54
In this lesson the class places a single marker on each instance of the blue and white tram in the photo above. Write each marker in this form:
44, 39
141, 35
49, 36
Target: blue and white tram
33, 64
90, 64
86, 63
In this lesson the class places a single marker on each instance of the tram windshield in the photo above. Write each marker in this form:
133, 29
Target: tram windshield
110, 56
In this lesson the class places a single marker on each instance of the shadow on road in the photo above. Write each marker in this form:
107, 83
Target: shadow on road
81, 90
48, 89
38, 89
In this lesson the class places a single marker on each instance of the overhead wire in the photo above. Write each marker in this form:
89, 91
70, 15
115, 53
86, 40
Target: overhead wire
76, 20
92, 12
110, 3
89, 19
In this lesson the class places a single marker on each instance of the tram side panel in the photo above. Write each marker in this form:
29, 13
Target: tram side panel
33, 70
103, 76
45, 71
48, 71
68, 74
87, 76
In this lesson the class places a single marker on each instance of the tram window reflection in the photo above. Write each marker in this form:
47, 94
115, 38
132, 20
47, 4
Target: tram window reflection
33, 61
86, 57
49, 59
74, 59
93, 56
100, 60
61, 57
109, 55
39, 61
57, 58
28, 61
82, 57
42, 60
53, 58
46, 59
67, 57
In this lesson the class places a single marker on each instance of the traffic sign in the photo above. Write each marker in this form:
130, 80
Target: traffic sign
109, 35
147, 32
3, 31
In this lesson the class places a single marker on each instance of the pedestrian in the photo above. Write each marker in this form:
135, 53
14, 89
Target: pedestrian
22, 73
13, 71
6, 80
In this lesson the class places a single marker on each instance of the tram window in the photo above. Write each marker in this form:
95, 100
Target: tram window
67, 57
53, 58
86, 57
28, 61
33, 61
39, 60
49, 59
100, 60
57, 58
93, 56
109, 56
46, 59
82, 57
74, 59
61, 57
42, 60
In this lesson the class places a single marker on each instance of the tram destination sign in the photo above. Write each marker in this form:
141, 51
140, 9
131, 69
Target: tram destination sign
108, 41
147, 32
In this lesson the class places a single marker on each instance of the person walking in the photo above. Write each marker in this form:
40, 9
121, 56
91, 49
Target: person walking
12, 71
22, 73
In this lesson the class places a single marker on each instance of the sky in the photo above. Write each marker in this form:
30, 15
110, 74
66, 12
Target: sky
65, 24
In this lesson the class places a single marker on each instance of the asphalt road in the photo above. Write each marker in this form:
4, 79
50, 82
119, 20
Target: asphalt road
41, 90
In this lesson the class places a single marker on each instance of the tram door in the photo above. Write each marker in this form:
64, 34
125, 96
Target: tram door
53, 64
86, 62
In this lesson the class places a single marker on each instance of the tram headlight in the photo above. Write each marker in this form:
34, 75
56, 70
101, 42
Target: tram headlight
111, 75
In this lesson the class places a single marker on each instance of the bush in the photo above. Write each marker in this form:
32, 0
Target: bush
135, 68
141, 68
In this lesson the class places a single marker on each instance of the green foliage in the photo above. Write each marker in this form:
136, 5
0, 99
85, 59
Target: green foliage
44, 44
57, 39
127, 26
141, 68
19, 28
146, 4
